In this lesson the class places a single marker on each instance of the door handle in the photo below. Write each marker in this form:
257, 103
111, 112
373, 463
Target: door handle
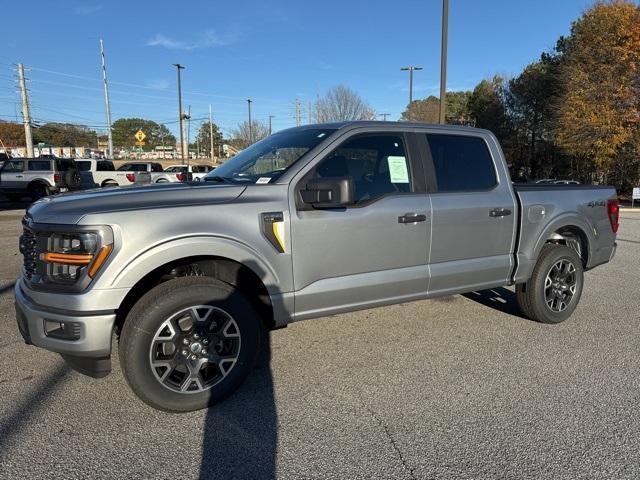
499, 212
412, 218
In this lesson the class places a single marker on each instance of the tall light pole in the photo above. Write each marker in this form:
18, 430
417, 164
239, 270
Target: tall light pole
250, 125
384, 116
210, 135
107, 103
411, 70
270, 118
443, 61
180, 114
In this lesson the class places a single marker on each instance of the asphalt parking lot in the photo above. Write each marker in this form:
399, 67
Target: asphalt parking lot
460, 387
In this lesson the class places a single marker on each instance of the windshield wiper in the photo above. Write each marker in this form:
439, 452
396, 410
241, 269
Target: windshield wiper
216, 178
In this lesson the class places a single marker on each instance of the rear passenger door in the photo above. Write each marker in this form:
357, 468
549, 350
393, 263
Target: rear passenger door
474, 213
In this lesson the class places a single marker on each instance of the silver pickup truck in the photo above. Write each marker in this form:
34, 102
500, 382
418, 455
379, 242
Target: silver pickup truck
309, 222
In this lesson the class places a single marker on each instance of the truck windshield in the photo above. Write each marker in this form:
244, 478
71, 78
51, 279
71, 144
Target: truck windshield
267, 159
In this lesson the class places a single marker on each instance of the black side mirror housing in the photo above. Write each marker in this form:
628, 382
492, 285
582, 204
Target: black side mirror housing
333, 192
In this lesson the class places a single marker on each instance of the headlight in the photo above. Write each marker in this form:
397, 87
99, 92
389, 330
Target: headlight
73, 256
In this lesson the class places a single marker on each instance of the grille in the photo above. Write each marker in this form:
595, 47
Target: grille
28, 248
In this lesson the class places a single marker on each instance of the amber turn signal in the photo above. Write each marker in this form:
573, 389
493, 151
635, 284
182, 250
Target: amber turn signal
101, 257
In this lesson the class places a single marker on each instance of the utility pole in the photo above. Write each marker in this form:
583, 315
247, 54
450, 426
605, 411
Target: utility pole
411, 69
106, 103
180, 113
384, 116
309, 112
270, 117
188, 122
250, 125
297, 114
210, 135
443, 61
26, 112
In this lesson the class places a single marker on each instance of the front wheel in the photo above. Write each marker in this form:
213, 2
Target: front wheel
188, 343
554, 289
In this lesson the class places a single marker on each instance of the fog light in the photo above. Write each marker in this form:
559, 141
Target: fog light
62, 330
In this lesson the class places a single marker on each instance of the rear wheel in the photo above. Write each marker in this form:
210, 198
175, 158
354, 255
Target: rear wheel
554, 289
38, 190
189, 343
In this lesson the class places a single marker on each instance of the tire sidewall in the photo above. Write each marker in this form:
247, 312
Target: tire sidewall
139, 331
552, 256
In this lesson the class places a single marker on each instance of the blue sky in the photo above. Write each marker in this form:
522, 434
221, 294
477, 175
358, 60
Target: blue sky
271, 51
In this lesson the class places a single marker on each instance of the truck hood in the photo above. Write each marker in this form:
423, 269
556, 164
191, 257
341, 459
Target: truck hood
70, 208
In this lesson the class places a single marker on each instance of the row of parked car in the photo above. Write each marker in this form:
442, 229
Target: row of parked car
42, 176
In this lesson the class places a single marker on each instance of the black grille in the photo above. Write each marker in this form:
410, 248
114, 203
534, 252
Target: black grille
28, 248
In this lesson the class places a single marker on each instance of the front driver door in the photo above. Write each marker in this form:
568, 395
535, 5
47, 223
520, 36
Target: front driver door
374, 252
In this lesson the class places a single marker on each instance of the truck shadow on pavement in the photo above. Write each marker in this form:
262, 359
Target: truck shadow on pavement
499, 299
12, 422
240, 434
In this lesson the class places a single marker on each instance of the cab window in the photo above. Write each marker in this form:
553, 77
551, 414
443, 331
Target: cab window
377, 164
13, 166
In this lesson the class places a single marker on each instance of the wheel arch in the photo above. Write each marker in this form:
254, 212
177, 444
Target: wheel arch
39, 181
228, 270
570, 230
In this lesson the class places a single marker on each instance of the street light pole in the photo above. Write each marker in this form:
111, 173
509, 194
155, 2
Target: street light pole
443, 61
411, 69
180, 114
210, 135
106, 103
384, 116
270, 117
250, 126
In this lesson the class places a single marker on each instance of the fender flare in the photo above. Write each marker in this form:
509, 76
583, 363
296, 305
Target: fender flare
195, 246
40, 180
564, 220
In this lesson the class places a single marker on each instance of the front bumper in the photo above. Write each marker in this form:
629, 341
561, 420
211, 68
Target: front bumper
94, 331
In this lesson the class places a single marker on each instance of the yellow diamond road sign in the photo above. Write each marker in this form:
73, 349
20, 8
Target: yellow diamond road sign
140, 136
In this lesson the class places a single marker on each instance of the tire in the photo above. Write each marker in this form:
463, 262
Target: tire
555, 287
109, 183
147, 332
38, 190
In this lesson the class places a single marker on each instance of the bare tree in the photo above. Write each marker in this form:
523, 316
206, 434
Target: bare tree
240, 137
342, 104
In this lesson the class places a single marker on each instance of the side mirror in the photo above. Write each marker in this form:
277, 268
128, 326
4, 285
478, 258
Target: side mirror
328, 192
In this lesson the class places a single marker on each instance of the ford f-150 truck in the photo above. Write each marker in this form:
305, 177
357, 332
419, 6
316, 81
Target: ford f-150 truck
309, 222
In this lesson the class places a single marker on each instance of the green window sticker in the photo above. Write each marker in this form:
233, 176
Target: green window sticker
398, 171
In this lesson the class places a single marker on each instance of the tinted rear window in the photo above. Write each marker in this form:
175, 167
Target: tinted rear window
105, 167
40, 165
83, 166
461, 163
64, 164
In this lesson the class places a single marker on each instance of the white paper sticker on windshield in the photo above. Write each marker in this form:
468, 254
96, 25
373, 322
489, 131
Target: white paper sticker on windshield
263, 180
398, 169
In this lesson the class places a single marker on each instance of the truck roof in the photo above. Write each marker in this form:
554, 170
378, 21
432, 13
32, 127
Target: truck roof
377, 123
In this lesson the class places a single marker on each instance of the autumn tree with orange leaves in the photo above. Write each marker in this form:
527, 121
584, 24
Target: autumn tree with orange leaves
598, 109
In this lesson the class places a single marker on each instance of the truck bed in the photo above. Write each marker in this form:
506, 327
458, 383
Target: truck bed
547, 208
